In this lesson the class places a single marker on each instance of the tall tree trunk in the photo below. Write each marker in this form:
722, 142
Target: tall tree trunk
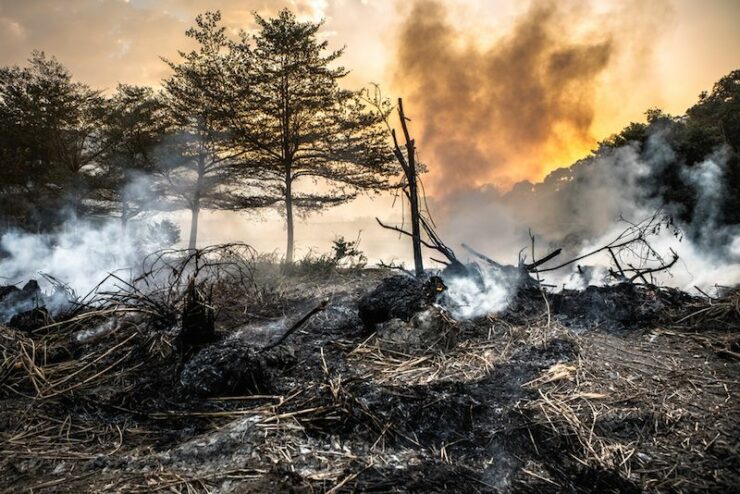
196, 205
124, 202
194, 225
289, 218
287, 164
414, 200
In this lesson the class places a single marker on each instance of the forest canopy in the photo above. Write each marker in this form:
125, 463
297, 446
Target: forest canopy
240, 124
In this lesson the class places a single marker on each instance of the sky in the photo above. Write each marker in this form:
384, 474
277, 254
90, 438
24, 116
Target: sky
463, 68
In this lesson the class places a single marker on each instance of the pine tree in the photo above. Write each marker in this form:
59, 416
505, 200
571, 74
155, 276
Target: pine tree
201, 157
296, 124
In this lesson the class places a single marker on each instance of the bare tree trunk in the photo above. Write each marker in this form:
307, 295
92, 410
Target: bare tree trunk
287, 164
289, 219
414, 203
194, 225
196, 206
409, 167
125, 208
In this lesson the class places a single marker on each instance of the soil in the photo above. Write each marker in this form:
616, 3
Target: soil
620, 389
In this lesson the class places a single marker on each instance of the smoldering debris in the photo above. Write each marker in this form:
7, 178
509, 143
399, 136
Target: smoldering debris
30, 308
233, 368
238, 365
198, 319
14, 301
427, 330
294, 394
618, 307
30, 320
399, 297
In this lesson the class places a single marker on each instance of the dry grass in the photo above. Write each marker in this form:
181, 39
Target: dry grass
658, 408
474, 356
720, 312
468, 361
642, 407
570, 406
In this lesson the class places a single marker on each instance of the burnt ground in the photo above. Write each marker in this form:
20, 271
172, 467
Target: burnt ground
607, 390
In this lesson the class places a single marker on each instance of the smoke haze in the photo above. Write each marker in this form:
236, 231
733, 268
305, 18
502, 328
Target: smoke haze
81, 254
495, 121
581, 208
516, 108
492, 118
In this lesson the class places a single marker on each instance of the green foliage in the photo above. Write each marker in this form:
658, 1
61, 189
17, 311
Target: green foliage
50, 144
311, 265
720, 110
634, 132
709, 127
348, 254
345, 256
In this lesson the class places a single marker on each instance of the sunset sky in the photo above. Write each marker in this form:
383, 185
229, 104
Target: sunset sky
643, 54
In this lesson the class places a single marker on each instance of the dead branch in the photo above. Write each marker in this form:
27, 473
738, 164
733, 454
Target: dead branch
439, 245
482, 256
640, 273
404, 232
297, 325
533, 266
634, 240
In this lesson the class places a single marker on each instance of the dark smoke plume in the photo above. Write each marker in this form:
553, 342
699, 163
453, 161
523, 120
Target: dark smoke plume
495, 122
498, 114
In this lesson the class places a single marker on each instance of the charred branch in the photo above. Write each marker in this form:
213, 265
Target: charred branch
640, 273
404, 232
198, 318
482, 256
534, 265
297, 325
632, 240
409, 167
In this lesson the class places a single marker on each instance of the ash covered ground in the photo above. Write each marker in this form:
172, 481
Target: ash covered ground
623, 388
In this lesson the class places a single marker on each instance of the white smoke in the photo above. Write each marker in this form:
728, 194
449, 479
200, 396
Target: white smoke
81, 253
477, 297
585, 207
706, 180
696, 267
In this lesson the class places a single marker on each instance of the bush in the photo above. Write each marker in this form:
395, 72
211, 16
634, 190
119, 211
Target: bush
345, 255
